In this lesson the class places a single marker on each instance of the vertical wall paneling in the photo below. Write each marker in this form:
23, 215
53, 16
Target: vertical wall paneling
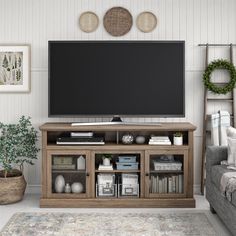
36, 22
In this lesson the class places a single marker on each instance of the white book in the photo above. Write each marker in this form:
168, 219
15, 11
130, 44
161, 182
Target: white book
159, 143
160, 138
170, 187
166, 185
103, 167
174, 183
154, 184
157, 184
160, 185
151, 184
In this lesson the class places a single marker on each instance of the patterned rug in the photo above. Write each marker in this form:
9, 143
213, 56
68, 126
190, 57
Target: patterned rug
108, 224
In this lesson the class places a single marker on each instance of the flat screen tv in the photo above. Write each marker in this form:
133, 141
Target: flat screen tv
126, 78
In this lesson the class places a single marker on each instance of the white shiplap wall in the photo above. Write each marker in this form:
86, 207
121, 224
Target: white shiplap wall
36, 22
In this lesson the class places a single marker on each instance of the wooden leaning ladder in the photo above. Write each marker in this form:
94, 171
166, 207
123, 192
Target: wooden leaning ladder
206, 116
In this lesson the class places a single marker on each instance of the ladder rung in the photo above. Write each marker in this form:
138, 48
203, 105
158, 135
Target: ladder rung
220, 99
209, 116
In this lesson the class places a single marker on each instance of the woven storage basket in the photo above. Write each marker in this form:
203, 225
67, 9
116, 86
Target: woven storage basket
12, 189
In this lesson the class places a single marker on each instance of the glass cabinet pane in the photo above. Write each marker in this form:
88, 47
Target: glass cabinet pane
68, 174
166, 174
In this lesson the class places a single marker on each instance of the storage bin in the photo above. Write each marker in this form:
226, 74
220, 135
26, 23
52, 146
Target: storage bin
103, 190
128, 190
167, 165
126, 166
129, 159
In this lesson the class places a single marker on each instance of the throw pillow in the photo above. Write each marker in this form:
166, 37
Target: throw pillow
231, 132
231, 151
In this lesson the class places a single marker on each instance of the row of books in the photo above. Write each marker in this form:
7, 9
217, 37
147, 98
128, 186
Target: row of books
166, 184
159, 140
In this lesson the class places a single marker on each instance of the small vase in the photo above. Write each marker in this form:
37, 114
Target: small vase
178, 141
67, 188
59, 184
106, 161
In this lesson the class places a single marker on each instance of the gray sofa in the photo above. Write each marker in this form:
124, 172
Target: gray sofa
218, 203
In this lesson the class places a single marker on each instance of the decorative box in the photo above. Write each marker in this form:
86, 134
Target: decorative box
59, 160
126, 166
129, 159
167, 165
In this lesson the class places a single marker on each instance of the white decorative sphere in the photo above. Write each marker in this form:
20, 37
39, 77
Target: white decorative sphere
59, 184
77, 187
140, 139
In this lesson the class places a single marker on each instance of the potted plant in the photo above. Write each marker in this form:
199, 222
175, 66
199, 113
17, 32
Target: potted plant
178, 138
107, 159
17, 147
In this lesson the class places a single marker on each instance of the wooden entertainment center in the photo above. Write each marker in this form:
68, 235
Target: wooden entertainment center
146, 155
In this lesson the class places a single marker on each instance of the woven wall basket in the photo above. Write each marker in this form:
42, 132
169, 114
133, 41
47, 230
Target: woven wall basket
12, 189
117, 21
88, 21
146, 22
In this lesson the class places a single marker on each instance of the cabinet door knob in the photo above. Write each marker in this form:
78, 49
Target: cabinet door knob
87, 174
147, 174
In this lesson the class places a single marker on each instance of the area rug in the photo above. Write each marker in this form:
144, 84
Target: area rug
108, 224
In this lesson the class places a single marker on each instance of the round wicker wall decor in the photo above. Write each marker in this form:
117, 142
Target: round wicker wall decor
146, 22
88, 21
117, 21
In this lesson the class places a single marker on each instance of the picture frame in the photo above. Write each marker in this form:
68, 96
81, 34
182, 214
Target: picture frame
14, 68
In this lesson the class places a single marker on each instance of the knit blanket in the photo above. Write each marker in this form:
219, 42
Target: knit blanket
228, 184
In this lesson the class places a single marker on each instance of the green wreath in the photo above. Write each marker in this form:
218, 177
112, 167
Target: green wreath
220, 64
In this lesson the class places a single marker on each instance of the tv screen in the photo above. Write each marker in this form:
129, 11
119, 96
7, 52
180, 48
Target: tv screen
138, 78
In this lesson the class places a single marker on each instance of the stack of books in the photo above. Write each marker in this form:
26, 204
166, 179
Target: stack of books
103, 167
63, 163
81, 138
159, 140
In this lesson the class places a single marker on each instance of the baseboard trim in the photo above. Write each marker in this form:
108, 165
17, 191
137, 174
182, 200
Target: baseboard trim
33, 189
36, 189
197, 189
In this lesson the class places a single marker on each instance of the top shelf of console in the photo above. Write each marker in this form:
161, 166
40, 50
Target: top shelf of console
167, 126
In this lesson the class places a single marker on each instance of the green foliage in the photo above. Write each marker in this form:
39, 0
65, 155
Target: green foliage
178, 134
19, 62
109, 156
18, 75
5, 62
220, 64
17, 144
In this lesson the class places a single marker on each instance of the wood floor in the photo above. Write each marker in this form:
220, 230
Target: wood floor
31, 204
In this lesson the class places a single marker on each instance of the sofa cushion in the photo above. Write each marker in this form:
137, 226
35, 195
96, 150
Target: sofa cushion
216, 173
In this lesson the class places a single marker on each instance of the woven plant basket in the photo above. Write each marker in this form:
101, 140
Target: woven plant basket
12, 189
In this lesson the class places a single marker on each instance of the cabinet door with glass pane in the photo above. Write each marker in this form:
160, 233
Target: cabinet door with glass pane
68, 174
166, 173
